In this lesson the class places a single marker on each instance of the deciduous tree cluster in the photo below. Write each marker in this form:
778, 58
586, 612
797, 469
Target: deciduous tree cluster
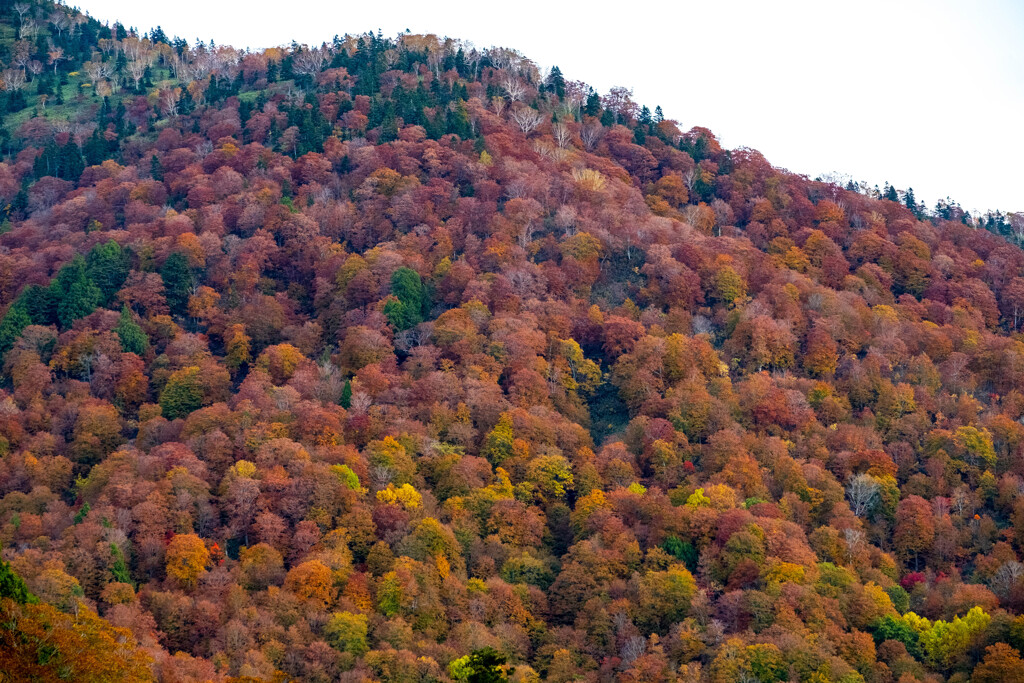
399, 360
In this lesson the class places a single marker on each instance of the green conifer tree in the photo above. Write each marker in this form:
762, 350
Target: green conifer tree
107, 265
16, 320
75, 293
406, 310
119, 570
133, 339
346, 395
178, 282
13, 586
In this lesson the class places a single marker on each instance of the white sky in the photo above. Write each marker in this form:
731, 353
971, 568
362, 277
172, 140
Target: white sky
921, 93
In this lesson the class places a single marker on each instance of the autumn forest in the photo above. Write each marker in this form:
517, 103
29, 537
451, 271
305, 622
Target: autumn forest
400, 360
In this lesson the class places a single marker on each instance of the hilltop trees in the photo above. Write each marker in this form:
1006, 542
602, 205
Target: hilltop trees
395, 359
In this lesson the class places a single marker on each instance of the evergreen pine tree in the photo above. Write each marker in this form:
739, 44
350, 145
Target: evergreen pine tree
71, 162
40, 304
645, 116
13, 587
406, 309
43, 85
95, 149
458, 122
178, 282
12, 325
910, 201
346, 395
133, 339
119, 570
107, 265
389, 125
556, 81
46, 163
156, 169
77, 296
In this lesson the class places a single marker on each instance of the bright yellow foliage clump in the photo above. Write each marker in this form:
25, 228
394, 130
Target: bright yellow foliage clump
187, 558
404, 495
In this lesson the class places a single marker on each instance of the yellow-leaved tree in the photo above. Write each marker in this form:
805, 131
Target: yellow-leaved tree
187, 558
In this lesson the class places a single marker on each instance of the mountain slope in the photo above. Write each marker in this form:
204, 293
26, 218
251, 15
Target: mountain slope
393, 360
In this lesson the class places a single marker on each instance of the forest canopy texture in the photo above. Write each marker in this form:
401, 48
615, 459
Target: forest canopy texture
397, 360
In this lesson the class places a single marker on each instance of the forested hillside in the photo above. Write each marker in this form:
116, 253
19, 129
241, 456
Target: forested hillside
396, 360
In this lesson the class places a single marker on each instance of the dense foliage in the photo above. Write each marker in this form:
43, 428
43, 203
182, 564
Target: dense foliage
393, 360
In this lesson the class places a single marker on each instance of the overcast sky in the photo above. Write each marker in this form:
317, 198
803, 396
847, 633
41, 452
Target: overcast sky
927, 94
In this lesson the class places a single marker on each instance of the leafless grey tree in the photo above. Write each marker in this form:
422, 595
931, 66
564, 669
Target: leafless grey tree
21, 8
562, 134
59, 21
853, 537
311, 61
29, 29
863, 493
35, 67
514, 88
591, 135
1007, 577
14, 79
527, 118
